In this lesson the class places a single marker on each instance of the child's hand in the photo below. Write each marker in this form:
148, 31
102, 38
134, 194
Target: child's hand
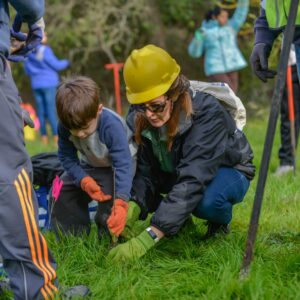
117, 220
90, 186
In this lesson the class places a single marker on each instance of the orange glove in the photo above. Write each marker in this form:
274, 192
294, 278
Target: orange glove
90, 186
117, 219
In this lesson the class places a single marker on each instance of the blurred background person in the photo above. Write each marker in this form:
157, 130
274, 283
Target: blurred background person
268, 26
285, 153
42, 67
216, 39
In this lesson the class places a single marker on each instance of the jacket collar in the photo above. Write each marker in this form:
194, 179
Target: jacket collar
184, 124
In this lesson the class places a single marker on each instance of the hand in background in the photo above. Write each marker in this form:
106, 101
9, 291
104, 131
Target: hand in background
259, 62
31, 40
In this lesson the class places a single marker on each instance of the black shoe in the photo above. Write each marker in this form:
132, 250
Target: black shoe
76, 292
215, 228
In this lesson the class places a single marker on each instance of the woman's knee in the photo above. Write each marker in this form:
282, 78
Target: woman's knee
214, 211
227, 188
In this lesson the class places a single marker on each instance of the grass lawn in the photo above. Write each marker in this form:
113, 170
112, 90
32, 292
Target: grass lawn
183, 267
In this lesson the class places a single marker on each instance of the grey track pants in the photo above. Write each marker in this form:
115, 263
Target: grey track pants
26, 258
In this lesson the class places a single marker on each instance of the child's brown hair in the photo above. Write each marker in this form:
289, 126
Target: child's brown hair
77, 101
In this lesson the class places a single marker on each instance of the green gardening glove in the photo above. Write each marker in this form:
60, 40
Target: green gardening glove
133, 249
132, 216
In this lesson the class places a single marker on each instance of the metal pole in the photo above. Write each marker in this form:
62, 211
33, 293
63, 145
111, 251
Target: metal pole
276, 98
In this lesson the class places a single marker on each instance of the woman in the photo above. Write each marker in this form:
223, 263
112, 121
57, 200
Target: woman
216, 39
191, 159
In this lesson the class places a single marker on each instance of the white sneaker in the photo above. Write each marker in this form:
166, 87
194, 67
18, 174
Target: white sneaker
282, 170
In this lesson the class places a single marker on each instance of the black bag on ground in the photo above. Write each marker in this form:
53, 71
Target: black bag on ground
45, 167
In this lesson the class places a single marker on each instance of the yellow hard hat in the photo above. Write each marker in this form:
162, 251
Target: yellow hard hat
148, 73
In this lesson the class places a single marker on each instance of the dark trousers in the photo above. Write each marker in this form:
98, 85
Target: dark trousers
285, 151
26, 258
231, 78
228, 187
70, 213
46, 110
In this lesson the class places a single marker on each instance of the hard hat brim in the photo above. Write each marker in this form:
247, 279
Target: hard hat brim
157, 91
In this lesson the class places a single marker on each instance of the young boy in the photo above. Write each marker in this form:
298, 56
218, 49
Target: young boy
104, 170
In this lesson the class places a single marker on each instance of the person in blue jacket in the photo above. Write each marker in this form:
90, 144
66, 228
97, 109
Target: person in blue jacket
104, 169
42, 67
216, 40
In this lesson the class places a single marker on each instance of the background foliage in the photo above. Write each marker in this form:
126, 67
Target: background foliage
95, 32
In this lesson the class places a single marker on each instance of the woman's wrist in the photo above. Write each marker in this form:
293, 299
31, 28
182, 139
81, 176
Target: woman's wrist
158, 232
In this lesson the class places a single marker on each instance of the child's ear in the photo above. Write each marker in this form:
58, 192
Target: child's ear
100, 108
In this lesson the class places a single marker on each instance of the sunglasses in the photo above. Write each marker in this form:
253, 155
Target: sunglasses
154, 108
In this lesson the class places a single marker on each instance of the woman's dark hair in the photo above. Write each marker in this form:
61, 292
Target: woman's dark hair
213, 13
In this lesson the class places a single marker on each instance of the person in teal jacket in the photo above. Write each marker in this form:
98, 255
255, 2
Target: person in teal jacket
216, 40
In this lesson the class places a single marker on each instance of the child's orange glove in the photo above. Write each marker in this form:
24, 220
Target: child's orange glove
117, 219
90, 186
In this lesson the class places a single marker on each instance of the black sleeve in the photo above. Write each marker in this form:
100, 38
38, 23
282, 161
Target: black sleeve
67, 154
203, 150
263, 34
144, 182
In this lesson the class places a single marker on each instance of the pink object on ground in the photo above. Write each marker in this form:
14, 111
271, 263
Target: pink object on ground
56, 187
